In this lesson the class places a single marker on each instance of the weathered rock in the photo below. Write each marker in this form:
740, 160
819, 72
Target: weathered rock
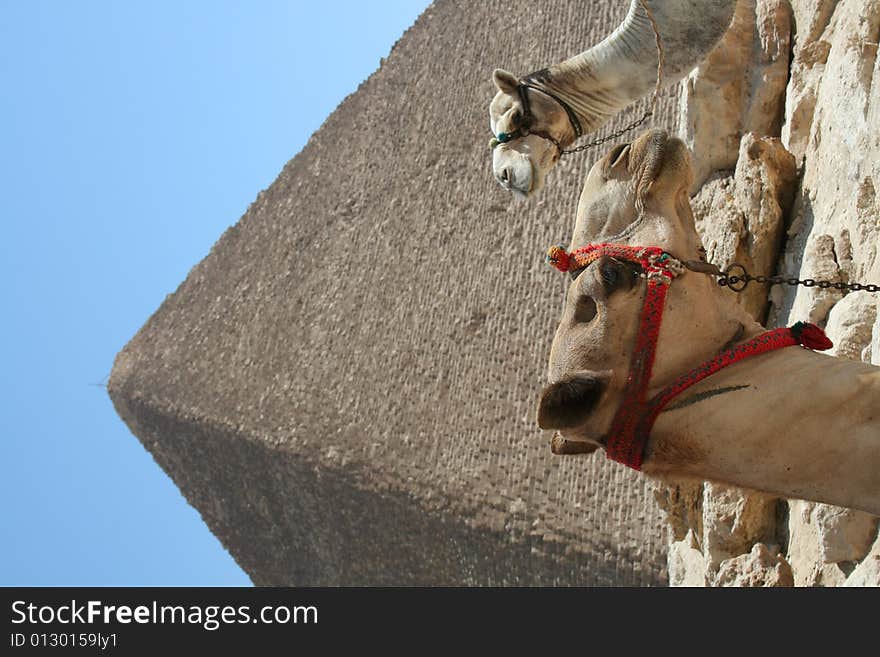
867, 573
811, 17
846, 535
832, 108
682, 505
687, 565
808, 304
711, 524
832, 113
739, 88
803, 547
874, 351
758, 568
836, 208
823, 538
850, 324
810, 52
733, 521
741, 218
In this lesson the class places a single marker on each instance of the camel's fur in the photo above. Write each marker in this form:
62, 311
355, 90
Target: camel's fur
600, 81
792, 422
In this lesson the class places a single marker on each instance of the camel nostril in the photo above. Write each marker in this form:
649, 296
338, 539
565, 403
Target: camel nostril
618, 155
568, 403
505, 175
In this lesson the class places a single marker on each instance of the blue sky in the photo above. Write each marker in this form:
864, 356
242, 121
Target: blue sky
132, 135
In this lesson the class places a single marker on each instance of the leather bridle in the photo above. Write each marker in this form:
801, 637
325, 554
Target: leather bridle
527, 119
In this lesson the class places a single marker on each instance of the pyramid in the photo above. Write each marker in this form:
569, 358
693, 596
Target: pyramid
345, 387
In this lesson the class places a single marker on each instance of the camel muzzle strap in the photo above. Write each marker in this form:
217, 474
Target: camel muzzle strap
632, 424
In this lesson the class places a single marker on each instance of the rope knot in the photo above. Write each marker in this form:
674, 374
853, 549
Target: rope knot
665, 264
558, 257
810, 336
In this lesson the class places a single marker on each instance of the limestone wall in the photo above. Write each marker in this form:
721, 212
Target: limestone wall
784, 121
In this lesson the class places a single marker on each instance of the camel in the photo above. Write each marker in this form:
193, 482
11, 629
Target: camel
791, 422
533, 119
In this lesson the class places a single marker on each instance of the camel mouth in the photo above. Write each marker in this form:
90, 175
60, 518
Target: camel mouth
519, 192
567, 404
516, 173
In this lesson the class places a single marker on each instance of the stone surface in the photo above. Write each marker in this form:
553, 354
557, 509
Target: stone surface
687, 566
867, 573
760, 567
826, 541
819, 262
808, 567
831, 232
733, 521
712, 525
832, 113
850, 325
739, 88
345, 387
846, 535
682, 505
873, 355
741, 218
835, 228
810, 53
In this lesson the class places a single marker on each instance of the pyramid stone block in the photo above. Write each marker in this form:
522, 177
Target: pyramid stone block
345, 387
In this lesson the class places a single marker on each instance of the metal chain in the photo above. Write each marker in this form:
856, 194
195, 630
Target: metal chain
612, 136
635, 124
739, 282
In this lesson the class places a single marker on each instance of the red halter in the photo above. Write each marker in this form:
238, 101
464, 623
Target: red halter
635, 417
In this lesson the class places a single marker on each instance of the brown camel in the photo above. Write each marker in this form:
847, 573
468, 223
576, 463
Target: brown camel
791, 422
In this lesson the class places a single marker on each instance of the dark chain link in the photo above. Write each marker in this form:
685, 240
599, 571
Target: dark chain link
739, 282
661, 56
612, 136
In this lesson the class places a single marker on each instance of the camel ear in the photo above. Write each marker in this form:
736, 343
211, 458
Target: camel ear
568, 403
505, 81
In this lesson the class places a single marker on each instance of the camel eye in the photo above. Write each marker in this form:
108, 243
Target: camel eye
615, 275
517, 117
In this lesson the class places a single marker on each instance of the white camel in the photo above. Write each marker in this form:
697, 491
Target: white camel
791, 422
535, 117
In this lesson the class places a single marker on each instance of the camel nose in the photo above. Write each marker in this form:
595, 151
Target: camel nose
504, 176
567, 403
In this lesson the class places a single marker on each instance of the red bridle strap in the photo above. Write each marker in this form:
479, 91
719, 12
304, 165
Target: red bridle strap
632, 424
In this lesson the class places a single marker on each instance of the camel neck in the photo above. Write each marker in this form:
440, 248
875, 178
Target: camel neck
575, 84
792, 423
623, 67
597, 83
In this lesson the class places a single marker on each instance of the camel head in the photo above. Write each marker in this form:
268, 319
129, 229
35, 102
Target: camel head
530, 128
533, 119
636, 195
790, 422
